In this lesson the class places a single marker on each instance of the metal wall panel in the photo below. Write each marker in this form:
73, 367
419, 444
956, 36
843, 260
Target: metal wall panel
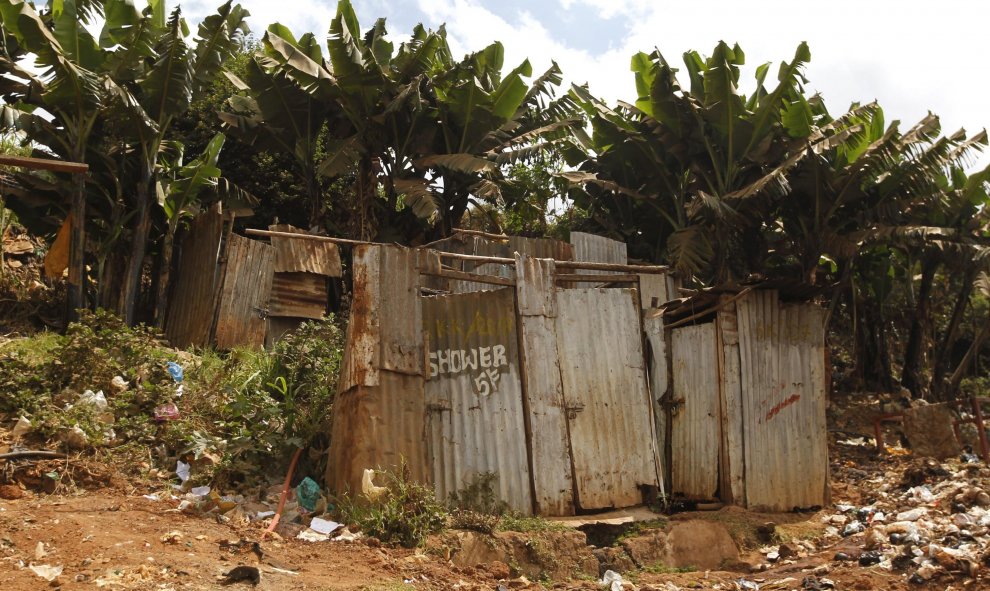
553, 482
247, 284
378, 427
655, 289
362, 352
659, 378
400, 314
781, 350
304, 256
474, 400
610, 416
191, 313
597, 249
732, 477
543, 248
695, 421
298, 295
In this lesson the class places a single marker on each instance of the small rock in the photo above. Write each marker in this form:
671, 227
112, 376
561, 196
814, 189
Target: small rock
787, 551
842, 557
498, 570
250, 574
10, 492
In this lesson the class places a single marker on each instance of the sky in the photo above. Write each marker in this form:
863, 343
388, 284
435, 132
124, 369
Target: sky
911, 56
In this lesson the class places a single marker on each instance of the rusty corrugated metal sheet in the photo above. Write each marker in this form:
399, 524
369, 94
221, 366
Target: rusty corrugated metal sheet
591, 248
544, 248
378, 427
190, 315
602, 369
781, 350
541, 248
361, 361
474, 398
298, 295
304, 256
247, 284
379, 415
695, 422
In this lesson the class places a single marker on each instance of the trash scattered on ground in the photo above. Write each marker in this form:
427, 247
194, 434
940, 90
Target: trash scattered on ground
368, 487
167, 412
74, 438
174, 370
182, 470
46, 572
237, 574
308, 493
611, 581
21, 428
324, 526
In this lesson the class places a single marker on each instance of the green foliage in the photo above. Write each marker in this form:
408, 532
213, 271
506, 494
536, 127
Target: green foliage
406, 513
244, 411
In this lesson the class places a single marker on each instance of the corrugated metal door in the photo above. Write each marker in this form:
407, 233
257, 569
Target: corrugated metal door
694, 438
475, 418
602, 369
247, 285
781, 351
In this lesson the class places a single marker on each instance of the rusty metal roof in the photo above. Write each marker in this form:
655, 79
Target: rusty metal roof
304, 256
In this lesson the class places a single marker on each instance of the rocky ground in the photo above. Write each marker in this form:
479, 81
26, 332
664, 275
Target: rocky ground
896, 521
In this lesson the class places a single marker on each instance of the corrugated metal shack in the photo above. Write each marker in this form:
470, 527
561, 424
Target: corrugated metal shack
230, 290
461, 364
746, 407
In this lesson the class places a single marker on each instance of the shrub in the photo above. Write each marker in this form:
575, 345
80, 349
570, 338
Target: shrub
405, 514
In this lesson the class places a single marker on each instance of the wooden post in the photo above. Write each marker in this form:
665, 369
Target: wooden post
76, 289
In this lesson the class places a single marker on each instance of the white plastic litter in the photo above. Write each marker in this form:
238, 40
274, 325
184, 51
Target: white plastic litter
324, 526
22, 428
611, 580
309, 535
200, 491
46, 572
182, 470
368, 487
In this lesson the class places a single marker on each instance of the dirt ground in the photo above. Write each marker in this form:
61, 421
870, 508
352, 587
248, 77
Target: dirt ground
106, 534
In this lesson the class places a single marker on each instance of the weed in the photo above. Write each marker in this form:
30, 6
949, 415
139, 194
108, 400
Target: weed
523, 524
405, 514
662, 569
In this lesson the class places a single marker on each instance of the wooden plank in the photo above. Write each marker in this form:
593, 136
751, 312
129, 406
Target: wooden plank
43, 164
589, 278
298, 295
190, 314
659, 377
474, 277
550, 453
244, 296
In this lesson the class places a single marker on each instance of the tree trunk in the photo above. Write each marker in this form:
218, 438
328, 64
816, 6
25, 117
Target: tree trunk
971, 353
944, 353
139, 244
918, 341
164, 275
872, 350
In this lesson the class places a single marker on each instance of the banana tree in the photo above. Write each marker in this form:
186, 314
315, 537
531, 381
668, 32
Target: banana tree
680, 162
177, 75
75, 89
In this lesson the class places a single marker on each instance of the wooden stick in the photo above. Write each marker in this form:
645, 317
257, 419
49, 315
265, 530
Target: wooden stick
711, 310
646, 269
597, 278
463, 276
272, 233
43, 164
